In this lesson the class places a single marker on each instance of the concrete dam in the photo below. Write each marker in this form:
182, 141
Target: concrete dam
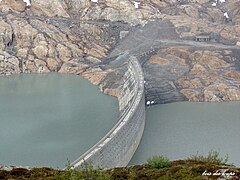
118, 146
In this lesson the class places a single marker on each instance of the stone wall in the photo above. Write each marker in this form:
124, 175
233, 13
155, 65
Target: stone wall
119, 145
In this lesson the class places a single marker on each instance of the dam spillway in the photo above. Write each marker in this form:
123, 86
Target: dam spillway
46, 118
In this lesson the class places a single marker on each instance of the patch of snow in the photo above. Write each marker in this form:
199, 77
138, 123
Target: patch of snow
222, 1
214, 4
148, 102
226, 15
96, 1
136, 4
28, 2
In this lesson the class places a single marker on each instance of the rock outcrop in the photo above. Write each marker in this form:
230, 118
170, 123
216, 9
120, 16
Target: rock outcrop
88, 38
199, 75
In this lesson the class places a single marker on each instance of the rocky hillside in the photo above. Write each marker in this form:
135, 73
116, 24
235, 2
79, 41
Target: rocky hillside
94, 38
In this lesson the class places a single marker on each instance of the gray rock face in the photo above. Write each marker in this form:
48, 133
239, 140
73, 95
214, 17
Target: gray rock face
159, 85
89, 39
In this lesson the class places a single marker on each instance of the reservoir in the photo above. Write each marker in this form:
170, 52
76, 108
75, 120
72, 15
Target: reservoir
50, 119
179, 130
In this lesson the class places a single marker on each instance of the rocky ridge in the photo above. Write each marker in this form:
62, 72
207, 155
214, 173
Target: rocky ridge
89, 39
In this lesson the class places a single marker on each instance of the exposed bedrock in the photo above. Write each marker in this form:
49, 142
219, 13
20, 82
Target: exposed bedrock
94, 40
159, 83
194, 74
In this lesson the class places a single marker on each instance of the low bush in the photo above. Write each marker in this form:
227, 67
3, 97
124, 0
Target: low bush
212, 158
85, 172
158, 162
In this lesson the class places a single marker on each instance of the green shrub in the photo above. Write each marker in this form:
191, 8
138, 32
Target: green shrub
85, 172
92, 173
212, 158
158, 162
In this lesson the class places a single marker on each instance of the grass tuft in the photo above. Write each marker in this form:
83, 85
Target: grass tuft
158, 162
213, 157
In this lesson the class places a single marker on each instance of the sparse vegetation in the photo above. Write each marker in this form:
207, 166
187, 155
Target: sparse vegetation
87, 172
158, 162
182, 169
213, 157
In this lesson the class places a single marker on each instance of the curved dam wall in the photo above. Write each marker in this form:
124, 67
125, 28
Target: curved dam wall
118, 146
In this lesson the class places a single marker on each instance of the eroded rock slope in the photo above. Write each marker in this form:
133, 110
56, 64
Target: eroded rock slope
95, 40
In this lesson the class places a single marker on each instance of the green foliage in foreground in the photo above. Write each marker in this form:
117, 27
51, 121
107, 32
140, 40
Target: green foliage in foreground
158, 162
87, 172
213, 157
191, 169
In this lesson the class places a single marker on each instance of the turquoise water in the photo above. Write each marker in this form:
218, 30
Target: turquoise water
50, 119
179, 130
